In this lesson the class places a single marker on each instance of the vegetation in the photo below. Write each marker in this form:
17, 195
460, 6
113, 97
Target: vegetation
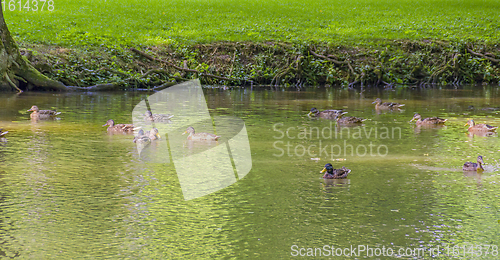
263, 42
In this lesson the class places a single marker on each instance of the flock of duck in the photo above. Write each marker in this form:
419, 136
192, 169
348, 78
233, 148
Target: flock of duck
338, 116
142, 138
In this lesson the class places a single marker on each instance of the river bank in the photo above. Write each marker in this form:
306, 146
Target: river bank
388, 64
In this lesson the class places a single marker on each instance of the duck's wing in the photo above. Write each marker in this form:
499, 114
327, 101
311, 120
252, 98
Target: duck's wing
48, 112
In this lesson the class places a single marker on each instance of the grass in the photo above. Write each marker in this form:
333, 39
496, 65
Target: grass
133, 22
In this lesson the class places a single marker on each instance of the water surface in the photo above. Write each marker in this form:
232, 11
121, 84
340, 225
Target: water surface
70, 190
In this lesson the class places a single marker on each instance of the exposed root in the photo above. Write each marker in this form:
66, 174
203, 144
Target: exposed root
6, 76
483, 56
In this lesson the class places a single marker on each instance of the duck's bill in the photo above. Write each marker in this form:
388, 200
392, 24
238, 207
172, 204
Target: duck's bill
185, 132
310, 113
413, 119
105, 124
323, 171
466, 124
158, 135
374, 102
31, 109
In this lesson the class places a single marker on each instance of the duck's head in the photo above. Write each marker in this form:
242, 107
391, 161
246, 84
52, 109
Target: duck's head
480, 161
377, 101
155, 132
189, 130
417, 116
470, 123
111, 123
34, 108
313, 111
328, 168
148, 113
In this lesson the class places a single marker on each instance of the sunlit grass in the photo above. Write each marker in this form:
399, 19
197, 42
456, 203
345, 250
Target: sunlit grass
132, 22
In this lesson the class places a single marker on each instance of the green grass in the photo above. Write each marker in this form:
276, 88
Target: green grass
134, 22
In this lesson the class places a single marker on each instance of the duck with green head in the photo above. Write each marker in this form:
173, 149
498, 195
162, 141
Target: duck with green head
386, 105
326, 114
470, 166
427, 121
330, 173
473, 127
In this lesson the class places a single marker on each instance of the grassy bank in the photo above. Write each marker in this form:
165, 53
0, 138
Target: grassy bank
264, 42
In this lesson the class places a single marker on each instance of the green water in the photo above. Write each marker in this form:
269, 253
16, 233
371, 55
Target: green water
68, 190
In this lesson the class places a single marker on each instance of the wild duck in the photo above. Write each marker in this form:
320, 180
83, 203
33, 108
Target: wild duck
200, 136
326, 114
42, 114
125, 128
427, 121
150, 117
470, 166
386, 105
330, 173
142, 138
480, 127
345, 120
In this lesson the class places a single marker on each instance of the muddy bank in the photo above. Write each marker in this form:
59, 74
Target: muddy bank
398, 63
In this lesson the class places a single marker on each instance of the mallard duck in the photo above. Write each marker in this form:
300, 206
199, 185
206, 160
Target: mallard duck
427, 121
112, 127
480, 127
387, 105
326, 114
142, 138
341, 119
470, 166
3, 133
153, 134
331, 173
150, 117
42, 114
200, 136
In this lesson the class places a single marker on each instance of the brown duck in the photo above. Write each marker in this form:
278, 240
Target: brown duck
125, 128
480, 127
42, 114
427, 121
331, 173
326, 114
470, 166
345, 120
199, 136
150, 117
386, 105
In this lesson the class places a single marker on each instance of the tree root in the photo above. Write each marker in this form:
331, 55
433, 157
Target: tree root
483, 56
6, 76
201, 74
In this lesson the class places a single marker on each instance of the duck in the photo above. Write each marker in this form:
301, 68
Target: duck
42, 114
150, 117
112, 127
427, 121
200, 136
386, 105
153, 134
330, 173
326, 114
349, 119
470, 166
480, 127
142, 138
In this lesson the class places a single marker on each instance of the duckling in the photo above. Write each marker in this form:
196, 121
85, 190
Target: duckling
470, 166
387, 105
200, 136
42, 114
125, 128
480, 127
349, 119
427, 121
326, 114
150, 117
334, 173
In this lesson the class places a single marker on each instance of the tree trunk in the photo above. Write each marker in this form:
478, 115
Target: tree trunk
16, 73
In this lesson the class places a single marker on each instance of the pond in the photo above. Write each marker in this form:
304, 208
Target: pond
70, 190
